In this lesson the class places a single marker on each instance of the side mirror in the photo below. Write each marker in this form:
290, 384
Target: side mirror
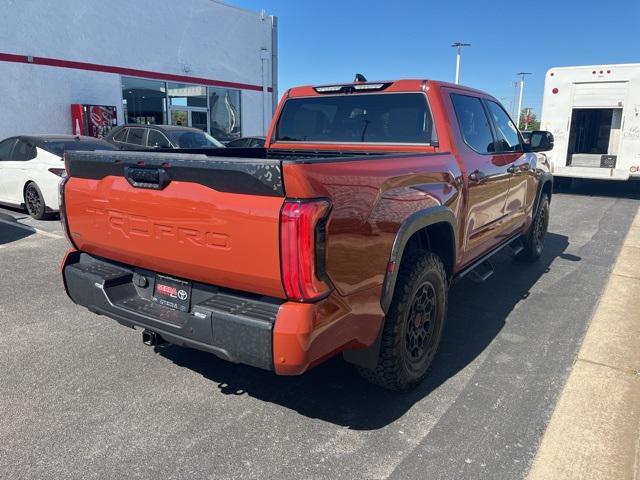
541, 141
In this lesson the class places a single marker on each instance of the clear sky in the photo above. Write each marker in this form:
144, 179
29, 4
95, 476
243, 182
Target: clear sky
330, 40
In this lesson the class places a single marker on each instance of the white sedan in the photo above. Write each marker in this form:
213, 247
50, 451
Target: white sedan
31, 167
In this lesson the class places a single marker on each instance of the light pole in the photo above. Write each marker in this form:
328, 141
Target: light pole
459, 46
522, 74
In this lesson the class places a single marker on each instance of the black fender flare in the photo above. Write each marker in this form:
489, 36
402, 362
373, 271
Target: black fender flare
416, 221
545, 177
368, 357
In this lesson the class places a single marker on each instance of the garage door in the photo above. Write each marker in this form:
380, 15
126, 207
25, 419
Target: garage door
603, 94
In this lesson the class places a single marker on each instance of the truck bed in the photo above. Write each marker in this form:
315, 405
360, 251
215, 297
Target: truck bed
211, 216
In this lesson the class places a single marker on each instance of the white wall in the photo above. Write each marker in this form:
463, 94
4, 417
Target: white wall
206, 38
251, 107
37, 99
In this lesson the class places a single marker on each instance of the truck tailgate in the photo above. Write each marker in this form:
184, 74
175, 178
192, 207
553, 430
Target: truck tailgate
209, 219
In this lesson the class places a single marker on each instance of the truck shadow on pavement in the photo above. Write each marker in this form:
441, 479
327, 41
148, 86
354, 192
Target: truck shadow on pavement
335, 393
629, 189
10, 233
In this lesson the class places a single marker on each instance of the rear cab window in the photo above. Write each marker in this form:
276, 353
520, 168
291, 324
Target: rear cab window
395, 118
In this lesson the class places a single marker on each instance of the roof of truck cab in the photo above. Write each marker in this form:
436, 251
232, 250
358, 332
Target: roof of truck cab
458, 87
395, 86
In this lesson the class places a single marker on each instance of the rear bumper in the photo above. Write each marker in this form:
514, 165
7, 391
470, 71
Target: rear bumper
263, 332
235, 327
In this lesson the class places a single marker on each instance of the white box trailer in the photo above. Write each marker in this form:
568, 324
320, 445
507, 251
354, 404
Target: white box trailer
594, 115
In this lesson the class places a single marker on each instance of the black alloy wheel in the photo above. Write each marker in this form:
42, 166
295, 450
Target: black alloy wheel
34, 202
420, 326
413, 325
533, 242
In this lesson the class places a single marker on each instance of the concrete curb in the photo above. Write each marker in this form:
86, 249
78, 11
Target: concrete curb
594, 432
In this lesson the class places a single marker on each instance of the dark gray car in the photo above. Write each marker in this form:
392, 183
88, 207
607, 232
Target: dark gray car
247, 142
147, 137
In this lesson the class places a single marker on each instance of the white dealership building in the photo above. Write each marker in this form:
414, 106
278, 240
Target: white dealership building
202, 63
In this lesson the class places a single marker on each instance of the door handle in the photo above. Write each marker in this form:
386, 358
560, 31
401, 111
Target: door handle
477, 176
515, 168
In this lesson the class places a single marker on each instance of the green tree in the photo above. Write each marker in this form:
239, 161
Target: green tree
530, 123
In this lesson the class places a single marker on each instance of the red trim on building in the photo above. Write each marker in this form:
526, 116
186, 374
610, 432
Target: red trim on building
94, 67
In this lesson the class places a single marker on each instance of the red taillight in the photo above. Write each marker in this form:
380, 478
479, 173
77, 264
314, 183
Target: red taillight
302, 246
62, 208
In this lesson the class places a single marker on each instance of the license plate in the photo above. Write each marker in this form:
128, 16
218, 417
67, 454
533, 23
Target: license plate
172, 293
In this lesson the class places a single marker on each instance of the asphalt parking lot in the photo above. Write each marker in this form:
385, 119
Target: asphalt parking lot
81, 397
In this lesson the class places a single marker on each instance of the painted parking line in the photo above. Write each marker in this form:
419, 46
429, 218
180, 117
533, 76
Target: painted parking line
32, 229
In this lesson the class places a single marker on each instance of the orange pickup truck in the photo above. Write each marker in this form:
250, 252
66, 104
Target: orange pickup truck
342, 235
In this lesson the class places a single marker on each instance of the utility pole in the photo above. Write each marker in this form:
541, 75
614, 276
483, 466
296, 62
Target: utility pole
522, 74
514, 100
459, 46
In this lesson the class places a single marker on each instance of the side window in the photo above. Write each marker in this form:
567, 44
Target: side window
5, 148
506, 131
474, 124
136, 136
23, 151
157, 140
121, 136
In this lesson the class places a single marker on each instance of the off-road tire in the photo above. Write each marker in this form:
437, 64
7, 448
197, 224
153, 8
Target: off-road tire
34, 202
534, 241
402, 364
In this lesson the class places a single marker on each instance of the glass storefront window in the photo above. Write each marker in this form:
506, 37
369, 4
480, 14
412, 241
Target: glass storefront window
185, 95
224, 111
153, 102
144, 101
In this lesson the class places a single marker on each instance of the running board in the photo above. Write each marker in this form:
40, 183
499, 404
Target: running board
516, 246
482, 269
482, 272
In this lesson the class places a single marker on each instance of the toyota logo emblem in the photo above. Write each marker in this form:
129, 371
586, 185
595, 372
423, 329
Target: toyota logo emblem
182, 295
